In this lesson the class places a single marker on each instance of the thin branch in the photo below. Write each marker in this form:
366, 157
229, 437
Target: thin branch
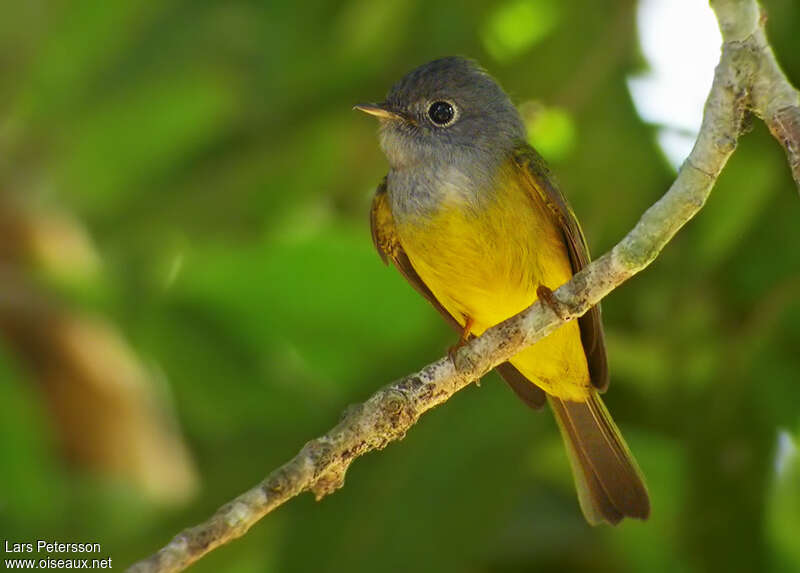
747, 78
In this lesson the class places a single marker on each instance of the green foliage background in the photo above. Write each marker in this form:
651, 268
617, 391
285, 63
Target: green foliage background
211, 151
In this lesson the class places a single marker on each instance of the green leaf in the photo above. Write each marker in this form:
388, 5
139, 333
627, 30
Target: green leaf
515, 27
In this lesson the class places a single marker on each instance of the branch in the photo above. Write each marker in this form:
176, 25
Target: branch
772, 97
747, 78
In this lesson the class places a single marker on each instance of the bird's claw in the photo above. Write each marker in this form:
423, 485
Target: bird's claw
547, 297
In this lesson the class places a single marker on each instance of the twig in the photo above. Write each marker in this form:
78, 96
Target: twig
747, 78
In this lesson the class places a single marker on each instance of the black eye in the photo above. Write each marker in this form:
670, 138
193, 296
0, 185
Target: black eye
441, 112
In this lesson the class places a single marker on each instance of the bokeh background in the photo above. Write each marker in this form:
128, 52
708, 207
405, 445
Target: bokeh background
188, 291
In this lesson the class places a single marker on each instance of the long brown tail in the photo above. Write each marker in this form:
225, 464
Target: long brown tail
609, 483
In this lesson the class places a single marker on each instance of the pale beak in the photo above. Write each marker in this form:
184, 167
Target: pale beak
378, 111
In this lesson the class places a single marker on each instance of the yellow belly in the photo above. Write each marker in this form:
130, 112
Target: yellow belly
486, 265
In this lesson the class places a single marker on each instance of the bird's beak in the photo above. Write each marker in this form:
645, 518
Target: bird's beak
378, 110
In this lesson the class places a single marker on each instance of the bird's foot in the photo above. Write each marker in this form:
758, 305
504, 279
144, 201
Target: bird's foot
462, 340
547, 297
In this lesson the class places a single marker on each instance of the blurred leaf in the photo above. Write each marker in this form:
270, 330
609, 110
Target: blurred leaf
516, 26
140, 133
68, 55
551, 130
368, 30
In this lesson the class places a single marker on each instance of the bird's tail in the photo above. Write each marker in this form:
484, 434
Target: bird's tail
609, 483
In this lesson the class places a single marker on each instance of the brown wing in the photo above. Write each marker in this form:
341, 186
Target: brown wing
389, 248
591, 325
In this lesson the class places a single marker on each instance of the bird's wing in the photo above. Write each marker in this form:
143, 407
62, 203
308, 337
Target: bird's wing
387, 243
591, 325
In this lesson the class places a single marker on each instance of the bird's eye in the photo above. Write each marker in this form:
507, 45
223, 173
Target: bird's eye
442, 113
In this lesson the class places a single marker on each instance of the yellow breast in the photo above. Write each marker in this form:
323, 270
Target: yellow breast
486, 264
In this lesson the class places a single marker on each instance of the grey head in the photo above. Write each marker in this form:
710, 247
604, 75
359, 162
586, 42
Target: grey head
445, 126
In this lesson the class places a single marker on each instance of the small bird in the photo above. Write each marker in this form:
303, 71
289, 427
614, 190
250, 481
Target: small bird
471, 217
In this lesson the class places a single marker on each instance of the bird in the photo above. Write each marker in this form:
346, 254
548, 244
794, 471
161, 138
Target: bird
471, 216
